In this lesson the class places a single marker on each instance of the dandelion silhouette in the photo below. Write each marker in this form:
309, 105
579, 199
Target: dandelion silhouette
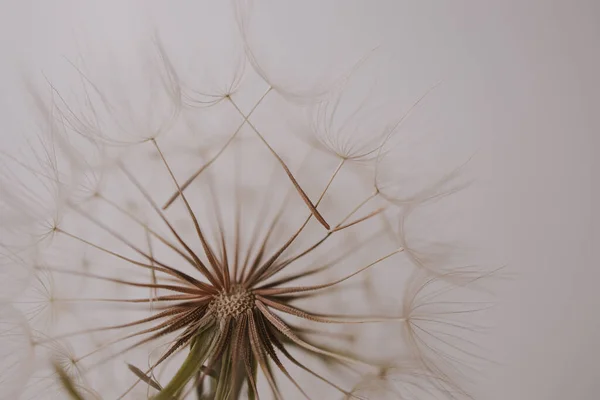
218, 244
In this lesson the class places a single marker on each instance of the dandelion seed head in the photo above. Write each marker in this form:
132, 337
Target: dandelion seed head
203, 249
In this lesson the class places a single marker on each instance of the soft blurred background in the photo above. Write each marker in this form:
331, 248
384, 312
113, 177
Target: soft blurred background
519, 84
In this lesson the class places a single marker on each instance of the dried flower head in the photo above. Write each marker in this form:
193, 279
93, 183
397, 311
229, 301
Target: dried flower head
183, 245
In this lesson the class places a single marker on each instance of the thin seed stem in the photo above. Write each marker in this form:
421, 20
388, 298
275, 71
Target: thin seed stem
275, 219
198, 264
164, 314
162, 267
286, 331
181, 289
189, 181
338, 227
147, 228
304, 196
151, 299
358, 207
224, 262
280, 291
359, 220
207, 249
282, 348
325, 318
237, 217
259, 275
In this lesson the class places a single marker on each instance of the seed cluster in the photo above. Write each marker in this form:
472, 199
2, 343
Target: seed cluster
233, 303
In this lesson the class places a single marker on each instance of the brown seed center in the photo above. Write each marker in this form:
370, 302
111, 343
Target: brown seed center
233, 303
